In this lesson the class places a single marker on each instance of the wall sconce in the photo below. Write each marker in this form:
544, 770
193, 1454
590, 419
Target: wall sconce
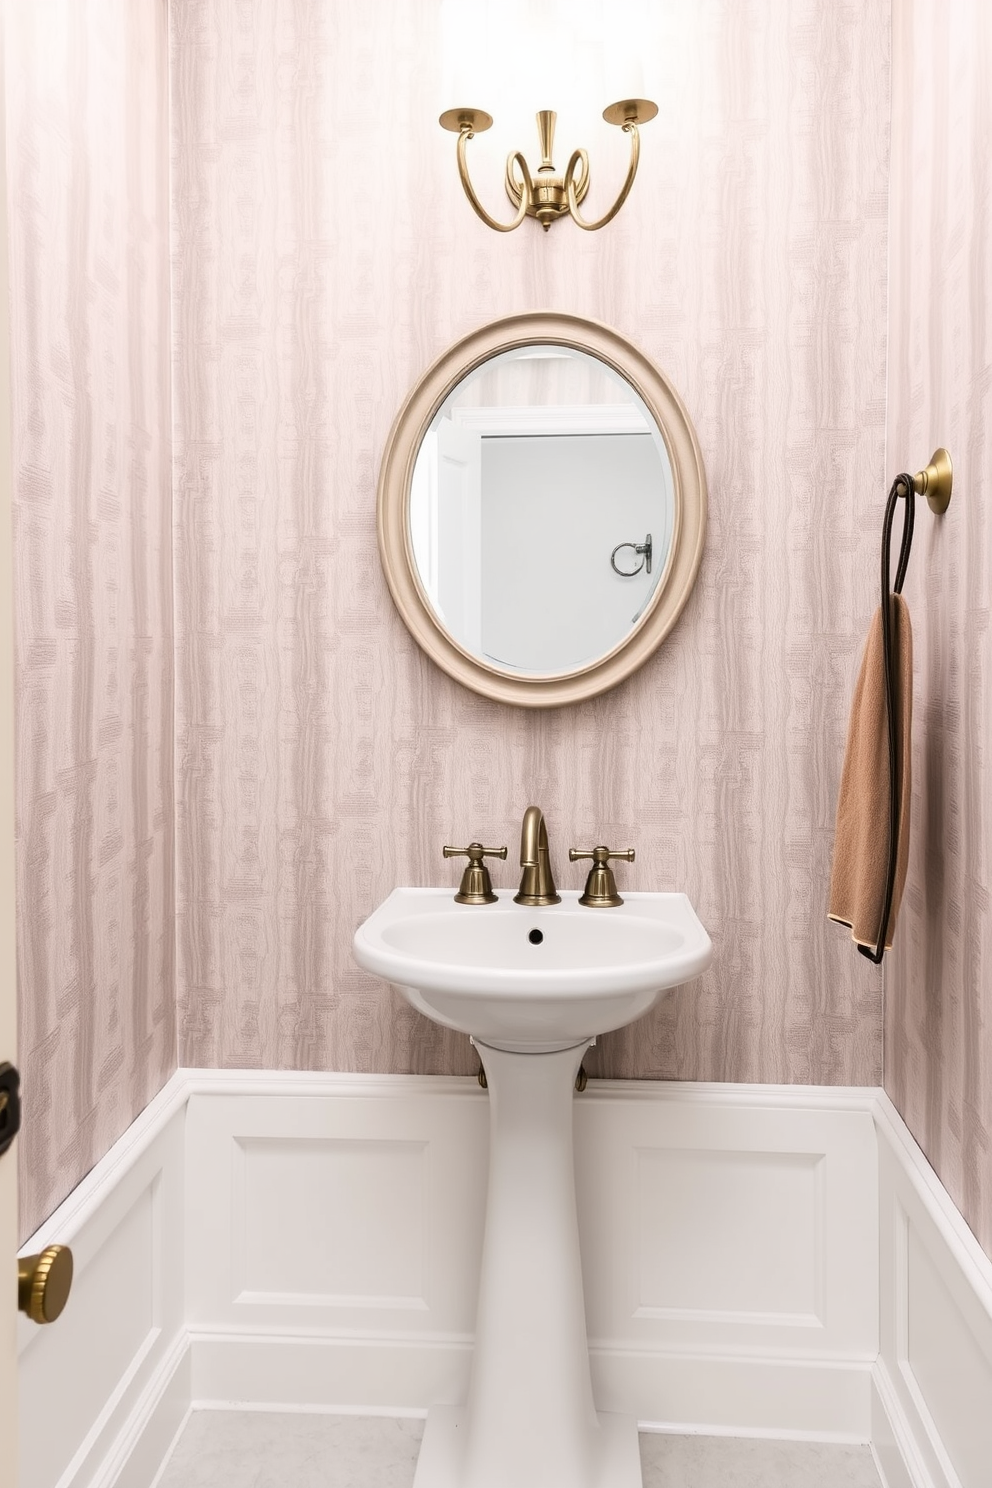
549, 196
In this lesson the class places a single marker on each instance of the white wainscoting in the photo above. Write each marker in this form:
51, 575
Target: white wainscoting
104, 1389
334, 1228
337, 1233
729, 1239
312, 1241
932, 1407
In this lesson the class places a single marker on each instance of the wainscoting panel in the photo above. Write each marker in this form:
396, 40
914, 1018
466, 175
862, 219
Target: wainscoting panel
290, 1245
755, 1204
311, 1241
720, 1222
91, 1382
354, 1210
935, 1365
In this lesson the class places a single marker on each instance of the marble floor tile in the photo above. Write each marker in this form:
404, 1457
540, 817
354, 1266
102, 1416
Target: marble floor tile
268, 1449
742, 1462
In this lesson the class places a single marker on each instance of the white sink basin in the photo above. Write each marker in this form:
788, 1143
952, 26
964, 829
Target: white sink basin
533, 980
527, 982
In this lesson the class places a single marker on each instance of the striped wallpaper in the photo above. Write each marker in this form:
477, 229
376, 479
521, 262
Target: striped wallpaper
87, 130
938, 990
322, 256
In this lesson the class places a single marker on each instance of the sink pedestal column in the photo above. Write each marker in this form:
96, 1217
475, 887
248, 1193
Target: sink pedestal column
530, 1421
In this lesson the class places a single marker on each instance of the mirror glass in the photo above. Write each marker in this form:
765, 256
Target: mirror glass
541, 510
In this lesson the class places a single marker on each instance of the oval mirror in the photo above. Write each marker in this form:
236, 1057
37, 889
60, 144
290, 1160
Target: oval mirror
541, 509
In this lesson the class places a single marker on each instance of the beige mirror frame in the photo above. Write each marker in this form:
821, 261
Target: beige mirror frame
530, 690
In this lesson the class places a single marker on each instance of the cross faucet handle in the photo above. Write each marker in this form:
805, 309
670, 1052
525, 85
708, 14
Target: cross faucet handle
476, 885
601, 887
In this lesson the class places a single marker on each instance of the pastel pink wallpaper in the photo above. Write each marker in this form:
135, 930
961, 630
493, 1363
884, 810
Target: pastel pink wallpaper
87, 131
938, 992
323, 256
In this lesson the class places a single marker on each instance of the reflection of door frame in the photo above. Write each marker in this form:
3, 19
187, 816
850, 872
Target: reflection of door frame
527, 420
458, 527
554, 418
8, 962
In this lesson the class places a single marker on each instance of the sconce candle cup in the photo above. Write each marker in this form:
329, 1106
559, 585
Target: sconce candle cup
529, 455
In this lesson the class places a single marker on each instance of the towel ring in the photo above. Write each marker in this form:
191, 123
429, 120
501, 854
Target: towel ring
904, 486
643, 548
935, 484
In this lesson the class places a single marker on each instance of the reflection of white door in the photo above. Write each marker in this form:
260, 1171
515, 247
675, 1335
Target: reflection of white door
459, 532
8, 983
553, 510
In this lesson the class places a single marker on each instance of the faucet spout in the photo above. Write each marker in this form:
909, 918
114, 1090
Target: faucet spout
537, 882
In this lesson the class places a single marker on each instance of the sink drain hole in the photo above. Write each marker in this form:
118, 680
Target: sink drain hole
535, 937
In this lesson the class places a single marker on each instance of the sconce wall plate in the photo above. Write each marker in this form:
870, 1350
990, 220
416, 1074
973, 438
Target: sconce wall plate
547, 195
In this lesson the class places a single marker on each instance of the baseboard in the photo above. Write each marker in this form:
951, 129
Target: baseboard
731, 1240
154, 1423
390, 1376
709, 1396
896, 1456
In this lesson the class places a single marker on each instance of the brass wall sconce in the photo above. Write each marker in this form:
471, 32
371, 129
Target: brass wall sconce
549, 196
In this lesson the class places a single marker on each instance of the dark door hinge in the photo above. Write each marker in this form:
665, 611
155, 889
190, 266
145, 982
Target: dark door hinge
10, 1105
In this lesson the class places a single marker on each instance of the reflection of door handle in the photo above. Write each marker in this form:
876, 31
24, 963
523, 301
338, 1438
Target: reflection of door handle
44, 1282
643, 548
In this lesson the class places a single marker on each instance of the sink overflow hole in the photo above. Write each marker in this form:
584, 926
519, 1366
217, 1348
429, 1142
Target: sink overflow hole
535, 937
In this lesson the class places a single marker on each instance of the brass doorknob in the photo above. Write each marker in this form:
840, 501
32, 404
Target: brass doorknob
44, 1282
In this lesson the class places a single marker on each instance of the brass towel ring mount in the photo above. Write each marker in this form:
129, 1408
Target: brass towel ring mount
935, 482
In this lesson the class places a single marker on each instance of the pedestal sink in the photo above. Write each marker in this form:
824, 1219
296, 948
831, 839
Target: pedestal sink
533, 987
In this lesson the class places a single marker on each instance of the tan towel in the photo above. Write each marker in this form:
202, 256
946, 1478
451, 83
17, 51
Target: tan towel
861, 843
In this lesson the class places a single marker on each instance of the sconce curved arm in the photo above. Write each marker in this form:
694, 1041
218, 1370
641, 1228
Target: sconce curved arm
570, 181
464, 135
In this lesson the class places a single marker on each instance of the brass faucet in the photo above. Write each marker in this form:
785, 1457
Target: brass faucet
537, 882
